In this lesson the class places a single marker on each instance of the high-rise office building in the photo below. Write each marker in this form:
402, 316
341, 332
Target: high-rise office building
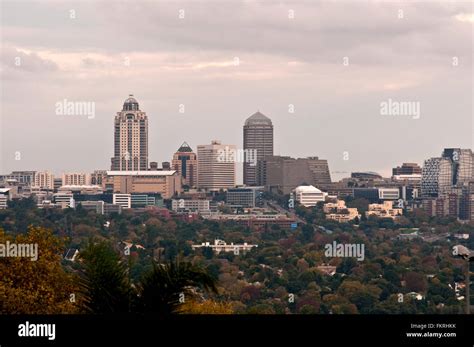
283, 174
216, 166
185, 163
130, 138
462, 162
258, 137
436, 177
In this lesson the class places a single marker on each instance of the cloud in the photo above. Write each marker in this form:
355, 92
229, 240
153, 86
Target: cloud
111, 49
16, 60
465, 17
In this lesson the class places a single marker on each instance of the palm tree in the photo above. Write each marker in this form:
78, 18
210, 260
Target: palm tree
167, 286
106, 288
104, 282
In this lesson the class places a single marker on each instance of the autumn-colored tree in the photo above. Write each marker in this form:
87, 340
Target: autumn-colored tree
38, 286
416, 282
261, 309
363, 296
206, 307
344, 309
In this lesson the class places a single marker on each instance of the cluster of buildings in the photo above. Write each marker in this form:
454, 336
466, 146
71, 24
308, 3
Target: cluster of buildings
189, 183
336, 209
447, 186
443, 186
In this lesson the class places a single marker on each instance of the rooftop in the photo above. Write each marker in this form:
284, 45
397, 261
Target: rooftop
258, 119
141, 173
131, 104
307, 189
185, 148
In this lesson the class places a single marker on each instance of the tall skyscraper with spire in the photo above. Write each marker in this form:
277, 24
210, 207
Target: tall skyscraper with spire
258, 136
130, 138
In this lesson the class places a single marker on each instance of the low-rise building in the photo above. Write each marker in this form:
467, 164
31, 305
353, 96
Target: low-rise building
384, 210
4, 197
190, 205
23, 178
124, 200
100, 207
64, 200
144, 200
222, 246
389, 193
339, 212
166, 183
309, 196
81, 189
246, 197
76, 179
44, 180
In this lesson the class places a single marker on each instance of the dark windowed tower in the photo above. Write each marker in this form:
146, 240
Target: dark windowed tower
258, 136
185, 162
130, 138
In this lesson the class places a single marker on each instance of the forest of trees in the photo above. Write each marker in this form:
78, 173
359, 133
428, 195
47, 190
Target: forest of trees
162, 274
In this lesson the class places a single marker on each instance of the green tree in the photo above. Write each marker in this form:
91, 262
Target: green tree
104, 281
168, 286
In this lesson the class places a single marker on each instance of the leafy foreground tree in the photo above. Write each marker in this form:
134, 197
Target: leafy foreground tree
104, 283
168, 286
163, 290
36, 286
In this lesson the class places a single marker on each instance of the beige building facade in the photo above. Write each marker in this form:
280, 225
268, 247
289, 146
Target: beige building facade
76, 179
166, 183
216, 166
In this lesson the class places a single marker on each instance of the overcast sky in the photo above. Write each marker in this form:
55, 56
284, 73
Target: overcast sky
335, 62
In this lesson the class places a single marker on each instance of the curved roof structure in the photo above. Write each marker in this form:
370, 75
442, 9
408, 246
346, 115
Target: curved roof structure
131, 104
366, 175
307, 189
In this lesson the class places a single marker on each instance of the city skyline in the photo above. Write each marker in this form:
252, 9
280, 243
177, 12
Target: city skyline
324, 98
131, 106
240, 161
